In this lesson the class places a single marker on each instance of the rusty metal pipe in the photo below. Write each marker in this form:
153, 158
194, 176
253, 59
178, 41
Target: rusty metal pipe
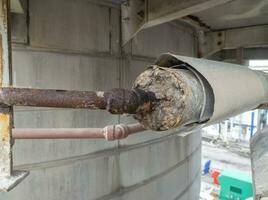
116, 101
175, 92
111, 132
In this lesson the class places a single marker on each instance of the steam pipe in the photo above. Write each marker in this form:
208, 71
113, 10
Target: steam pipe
176, 91
235, 88
111, 132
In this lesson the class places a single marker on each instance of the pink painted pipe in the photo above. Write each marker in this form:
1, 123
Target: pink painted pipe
111, 132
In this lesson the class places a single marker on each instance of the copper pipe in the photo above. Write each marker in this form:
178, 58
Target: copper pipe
111, 132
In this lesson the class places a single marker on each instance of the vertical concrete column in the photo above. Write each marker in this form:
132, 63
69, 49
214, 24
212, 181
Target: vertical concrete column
8, 177
5, 80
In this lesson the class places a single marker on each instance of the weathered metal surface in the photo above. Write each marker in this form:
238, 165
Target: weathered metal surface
259, 163
215, 41
208, 99
157, 103
112, 132
119, 101
231, 93
8, 177
133, 18
179, 92
180, 96
116, 101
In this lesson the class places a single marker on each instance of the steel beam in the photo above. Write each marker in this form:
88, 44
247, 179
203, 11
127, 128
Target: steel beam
8, 177
249, 37
249, 53
140, 14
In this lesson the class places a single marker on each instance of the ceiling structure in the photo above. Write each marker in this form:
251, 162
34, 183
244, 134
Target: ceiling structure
235, 14
220, 24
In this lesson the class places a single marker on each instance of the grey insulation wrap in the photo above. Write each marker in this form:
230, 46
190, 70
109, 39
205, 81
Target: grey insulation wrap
233, 88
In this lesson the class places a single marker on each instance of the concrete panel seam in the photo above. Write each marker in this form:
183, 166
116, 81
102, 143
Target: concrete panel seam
94, 155
93, 53
189, 186
90, 53
151, 179
106, 3
142, 58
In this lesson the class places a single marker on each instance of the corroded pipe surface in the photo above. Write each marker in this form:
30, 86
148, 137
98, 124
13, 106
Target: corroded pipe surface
116, 101
161, 98
180, 95
111, 132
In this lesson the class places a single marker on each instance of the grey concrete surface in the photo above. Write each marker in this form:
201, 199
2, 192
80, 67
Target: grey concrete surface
75, 45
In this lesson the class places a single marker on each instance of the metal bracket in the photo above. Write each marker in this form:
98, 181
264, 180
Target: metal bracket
133, 18
214, 41
141, 14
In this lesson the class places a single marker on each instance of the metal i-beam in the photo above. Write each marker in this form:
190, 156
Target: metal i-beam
249, 37
8, 177
140, 14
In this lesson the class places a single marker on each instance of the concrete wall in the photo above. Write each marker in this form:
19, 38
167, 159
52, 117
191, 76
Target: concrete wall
74, 44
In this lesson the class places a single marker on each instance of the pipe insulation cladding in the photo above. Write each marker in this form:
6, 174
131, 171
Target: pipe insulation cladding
175, 91
192, 91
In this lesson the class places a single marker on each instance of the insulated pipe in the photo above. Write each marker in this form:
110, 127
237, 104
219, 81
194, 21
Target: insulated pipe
111, 132
235, 88
176, 91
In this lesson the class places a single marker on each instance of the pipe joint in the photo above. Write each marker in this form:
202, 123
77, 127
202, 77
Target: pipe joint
116, 132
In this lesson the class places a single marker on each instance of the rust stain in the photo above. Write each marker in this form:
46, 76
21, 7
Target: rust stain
116, 101
1, 61
167, 86
4, 127
176, 90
